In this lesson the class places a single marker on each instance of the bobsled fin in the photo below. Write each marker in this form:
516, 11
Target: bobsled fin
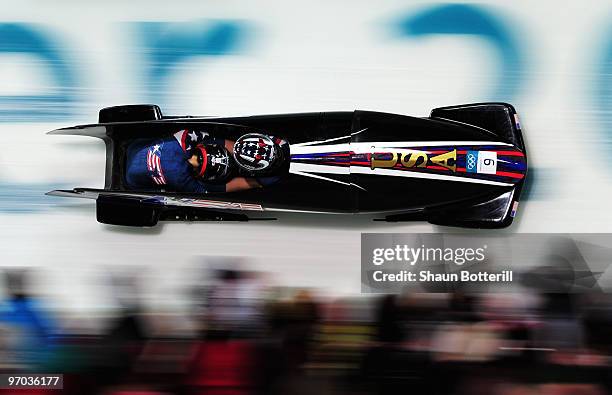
92, 193
94, 130
498, 118
492, 212
71, 193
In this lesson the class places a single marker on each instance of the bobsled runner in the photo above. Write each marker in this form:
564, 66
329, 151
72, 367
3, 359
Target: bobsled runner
461, 166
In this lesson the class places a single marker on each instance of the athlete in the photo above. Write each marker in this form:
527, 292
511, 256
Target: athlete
190, 161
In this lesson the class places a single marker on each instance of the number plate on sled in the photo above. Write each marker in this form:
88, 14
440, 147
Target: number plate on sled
484, 162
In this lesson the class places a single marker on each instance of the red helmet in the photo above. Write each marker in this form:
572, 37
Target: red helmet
200, 152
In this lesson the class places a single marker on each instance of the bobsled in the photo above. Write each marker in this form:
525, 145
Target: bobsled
461, 166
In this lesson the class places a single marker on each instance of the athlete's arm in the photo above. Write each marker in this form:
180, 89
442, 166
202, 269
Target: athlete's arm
241, 184
234, 185
229, 146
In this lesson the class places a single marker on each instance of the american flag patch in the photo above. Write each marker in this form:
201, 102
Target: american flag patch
514, 208
154, 166
190, 138
213, 204
517, 122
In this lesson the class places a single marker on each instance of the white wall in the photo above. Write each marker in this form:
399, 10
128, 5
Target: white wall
291, 57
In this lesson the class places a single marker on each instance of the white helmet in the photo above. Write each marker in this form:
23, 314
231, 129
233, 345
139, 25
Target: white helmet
256, 152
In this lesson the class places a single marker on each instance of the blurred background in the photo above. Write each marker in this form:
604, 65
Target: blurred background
61, 61
241, 332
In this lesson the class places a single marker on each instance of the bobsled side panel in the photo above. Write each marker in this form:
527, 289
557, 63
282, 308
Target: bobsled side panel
369, 126
130, 113
499, 118
126, 211
494, 211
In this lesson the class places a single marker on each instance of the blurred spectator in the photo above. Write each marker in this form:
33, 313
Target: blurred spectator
561, 327
459, 343
388, 322
27, 330
234, 306
122, 344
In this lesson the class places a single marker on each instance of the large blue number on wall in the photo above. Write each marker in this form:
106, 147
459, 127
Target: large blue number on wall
52, 102
603, 92
475, 21
169, 44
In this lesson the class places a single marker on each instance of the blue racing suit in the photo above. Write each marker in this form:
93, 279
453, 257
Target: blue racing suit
162, 164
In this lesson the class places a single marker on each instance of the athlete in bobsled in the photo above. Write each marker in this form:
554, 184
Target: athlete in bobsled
194, 162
